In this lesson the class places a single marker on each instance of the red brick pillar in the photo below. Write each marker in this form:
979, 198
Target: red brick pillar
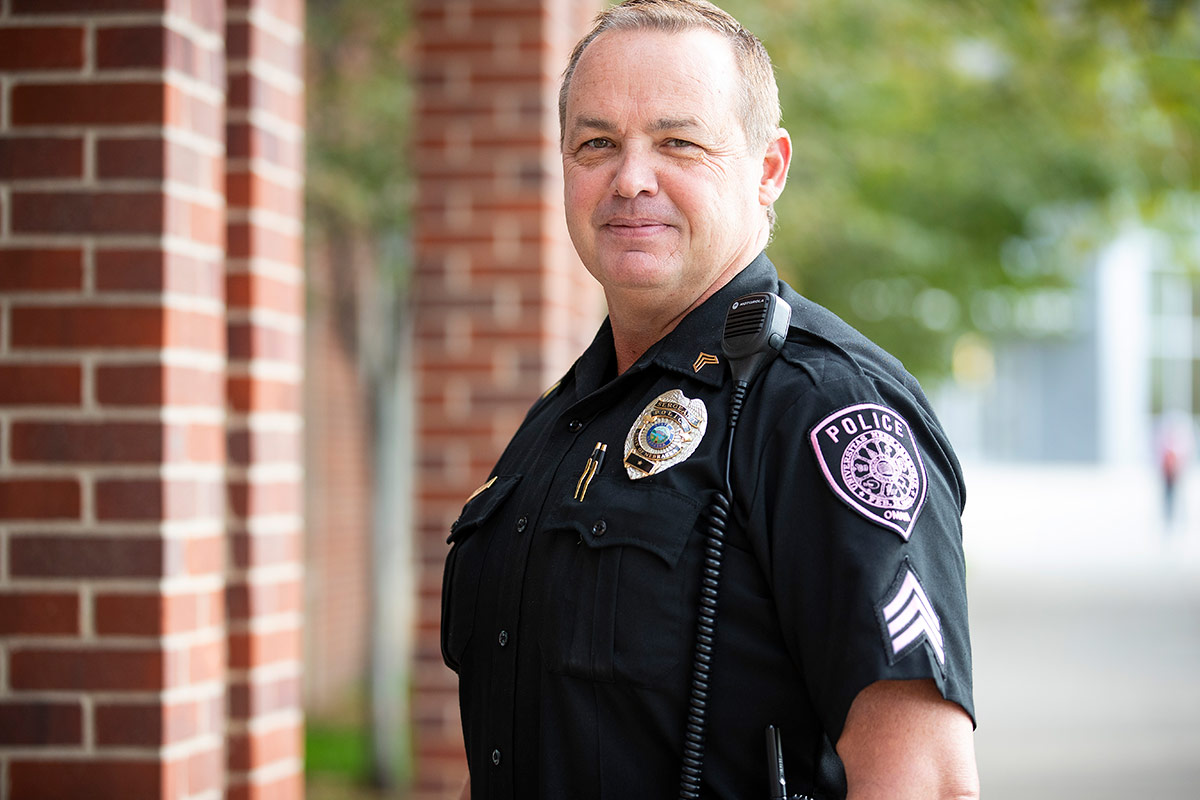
131, 399
265, 292
112, 392
504, 305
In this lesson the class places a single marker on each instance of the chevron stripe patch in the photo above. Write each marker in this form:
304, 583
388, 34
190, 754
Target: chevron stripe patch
907, 618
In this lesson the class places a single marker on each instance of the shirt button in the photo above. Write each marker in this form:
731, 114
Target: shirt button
575, 426
496, 757
599, 527
502, 638
522, 523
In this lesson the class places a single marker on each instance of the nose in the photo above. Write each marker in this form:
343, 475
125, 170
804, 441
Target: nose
635, 174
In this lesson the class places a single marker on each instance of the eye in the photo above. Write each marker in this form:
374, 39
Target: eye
598, 143
679, 143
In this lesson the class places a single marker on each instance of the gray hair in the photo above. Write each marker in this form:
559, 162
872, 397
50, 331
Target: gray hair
761, 114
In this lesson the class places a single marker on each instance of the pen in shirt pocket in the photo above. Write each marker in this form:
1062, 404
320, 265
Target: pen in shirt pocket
594, 462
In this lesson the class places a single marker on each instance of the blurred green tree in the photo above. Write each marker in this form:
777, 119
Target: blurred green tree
360, 97
953, 160
358, 204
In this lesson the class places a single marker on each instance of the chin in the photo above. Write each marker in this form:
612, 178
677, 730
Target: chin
633, 271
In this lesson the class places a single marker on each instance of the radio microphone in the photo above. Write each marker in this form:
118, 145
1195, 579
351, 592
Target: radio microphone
756, 327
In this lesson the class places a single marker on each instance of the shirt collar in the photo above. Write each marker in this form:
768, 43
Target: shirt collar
685, 348
699, 334
598, 364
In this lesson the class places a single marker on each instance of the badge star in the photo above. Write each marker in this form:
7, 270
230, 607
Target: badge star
703, 360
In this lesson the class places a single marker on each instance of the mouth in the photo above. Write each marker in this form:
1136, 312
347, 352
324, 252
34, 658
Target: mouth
634, 227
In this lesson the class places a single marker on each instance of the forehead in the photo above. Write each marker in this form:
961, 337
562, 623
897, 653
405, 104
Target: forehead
687, 73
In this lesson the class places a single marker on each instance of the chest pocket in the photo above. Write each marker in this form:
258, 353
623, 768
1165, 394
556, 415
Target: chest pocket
469, 542
621, 600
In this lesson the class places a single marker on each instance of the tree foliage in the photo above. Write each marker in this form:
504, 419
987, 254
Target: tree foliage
359, 116
358, 203
359, 192
954, 159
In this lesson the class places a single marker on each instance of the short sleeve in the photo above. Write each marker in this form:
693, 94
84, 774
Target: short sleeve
859, 498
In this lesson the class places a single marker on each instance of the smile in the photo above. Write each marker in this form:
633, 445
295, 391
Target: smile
635, 228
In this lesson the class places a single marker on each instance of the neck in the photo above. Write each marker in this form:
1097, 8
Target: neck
637, 326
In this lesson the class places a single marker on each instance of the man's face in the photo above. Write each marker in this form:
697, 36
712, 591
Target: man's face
662, 189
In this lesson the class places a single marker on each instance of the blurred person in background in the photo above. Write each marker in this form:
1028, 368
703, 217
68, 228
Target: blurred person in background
1174, 450
574, 575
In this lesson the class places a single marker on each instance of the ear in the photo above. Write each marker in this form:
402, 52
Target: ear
775, 168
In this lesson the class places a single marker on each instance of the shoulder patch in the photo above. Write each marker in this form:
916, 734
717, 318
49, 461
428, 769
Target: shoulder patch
907, 618
871, 462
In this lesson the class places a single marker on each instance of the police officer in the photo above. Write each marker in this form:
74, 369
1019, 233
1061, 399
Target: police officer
572, 582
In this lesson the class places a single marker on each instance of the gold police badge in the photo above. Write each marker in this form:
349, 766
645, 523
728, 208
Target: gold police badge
666, 433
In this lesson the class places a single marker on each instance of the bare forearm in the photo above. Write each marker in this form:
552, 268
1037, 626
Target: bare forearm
903, 741
920, 790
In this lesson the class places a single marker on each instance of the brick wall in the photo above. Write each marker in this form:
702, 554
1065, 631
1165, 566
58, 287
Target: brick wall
504, 305
149, 395
265, 293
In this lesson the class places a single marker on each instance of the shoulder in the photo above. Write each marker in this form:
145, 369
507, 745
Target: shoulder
825, 360
833, 391
818, 333
548, 399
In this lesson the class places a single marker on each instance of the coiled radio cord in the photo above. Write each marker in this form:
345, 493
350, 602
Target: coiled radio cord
716, 523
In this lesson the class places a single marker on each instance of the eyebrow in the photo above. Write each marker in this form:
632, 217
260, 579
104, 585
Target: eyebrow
658, 126
593, 123
674, 124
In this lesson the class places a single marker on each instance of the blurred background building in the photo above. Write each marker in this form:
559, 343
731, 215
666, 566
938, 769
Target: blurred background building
1097, 371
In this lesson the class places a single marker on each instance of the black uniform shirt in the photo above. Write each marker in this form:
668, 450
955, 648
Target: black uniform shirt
569, 599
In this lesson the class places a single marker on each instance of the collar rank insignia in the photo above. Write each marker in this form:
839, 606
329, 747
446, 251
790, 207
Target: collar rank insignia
703, 360
871, 462
666, 433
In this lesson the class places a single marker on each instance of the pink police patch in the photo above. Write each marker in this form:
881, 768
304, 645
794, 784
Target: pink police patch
871, 462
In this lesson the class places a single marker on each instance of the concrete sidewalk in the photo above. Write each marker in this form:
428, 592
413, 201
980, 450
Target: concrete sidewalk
1086, 623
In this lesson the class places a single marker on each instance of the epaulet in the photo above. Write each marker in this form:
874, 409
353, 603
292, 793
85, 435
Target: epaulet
540, 403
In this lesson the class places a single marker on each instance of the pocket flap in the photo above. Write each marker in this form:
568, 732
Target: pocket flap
619, 513
482, 505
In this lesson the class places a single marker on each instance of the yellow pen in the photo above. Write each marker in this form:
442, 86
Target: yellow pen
589, 470
597, 460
